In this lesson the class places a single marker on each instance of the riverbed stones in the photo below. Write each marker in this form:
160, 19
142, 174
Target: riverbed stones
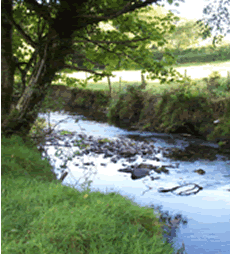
115, 149
122, 148
127, 152
142, 170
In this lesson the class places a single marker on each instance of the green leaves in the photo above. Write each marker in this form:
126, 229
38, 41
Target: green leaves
122, 41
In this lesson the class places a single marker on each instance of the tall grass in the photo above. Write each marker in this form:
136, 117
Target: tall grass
40, 215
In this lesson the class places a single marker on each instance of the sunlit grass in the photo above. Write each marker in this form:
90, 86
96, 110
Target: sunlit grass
154, 85
47, 217
174, 66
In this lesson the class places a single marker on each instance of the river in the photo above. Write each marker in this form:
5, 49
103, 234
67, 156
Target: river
207, 213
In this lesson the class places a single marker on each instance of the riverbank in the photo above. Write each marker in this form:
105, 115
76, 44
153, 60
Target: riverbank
191, 109
41, 215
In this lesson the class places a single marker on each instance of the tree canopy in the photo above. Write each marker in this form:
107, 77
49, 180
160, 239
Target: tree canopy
217, 19
187, 34
130, 38
41, 38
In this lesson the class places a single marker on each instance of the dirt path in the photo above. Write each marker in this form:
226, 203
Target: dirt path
194, 72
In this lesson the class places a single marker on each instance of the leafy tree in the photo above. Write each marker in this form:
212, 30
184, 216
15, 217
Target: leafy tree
186, 34
216, 19
47, 34
41, 38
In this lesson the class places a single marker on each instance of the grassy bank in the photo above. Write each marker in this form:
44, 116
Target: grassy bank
40, 215
189, 108
199, 106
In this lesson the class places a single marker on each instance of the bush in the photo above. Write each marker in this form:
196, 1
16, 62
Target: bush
127, 108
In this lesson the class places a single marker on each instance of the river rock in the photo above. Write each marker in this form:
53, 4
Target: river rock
161, 169
127, 152
148, 166
108, 154
142, 170
115, 159
139, 173
199, 171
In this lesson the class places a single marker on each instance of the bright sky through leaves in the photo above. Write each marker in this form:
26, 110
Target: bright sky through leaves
190, 9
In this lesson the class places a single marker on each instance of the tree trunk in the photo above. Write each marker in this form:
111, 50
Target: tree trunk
7, 63
52, 52
20, 118
24, 114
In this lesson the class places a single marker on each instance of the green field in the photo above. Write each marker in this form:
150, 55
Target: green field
195, 71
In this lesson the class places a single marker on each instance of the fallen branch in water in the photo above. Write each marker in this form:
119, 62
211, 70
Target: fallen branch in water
182, 193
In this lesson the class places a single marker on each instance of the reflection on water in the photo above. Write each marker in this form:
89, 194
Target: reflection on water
208, 212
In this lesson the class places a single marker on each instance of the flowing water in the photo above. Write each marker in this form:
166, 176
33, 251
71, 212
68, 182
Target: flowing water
207, 212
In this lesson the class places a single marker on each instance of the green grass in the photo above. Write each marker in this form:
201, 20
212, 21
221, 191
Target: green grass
155, 86
67, 71
40, 215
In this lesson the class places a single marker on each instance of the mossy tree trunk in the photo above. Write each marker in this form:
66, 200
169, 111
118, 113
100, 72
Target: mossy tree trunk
22, 116
19, 119
7, 63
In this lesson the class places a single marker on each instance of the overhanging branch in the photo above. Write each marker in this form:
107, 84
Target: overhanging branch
41, 10
71, 67
114, 42
20, 30
127, 8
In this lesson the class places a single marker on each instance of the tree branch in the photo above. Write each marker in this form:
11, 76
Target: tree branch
83, 56
40, 31
71, 67
41, 10
127, 8
115, 42
20, 30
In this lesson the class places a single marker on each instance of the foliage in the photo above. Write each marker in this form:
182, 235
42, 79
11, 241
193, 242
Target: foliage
65, 132
217, 16
127, 107
199, 54
183, 106
185, 35
37, 128
222, 129
53, 36
97, 45
217, 85
70, 81
50, 105
214, 75
104, 140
